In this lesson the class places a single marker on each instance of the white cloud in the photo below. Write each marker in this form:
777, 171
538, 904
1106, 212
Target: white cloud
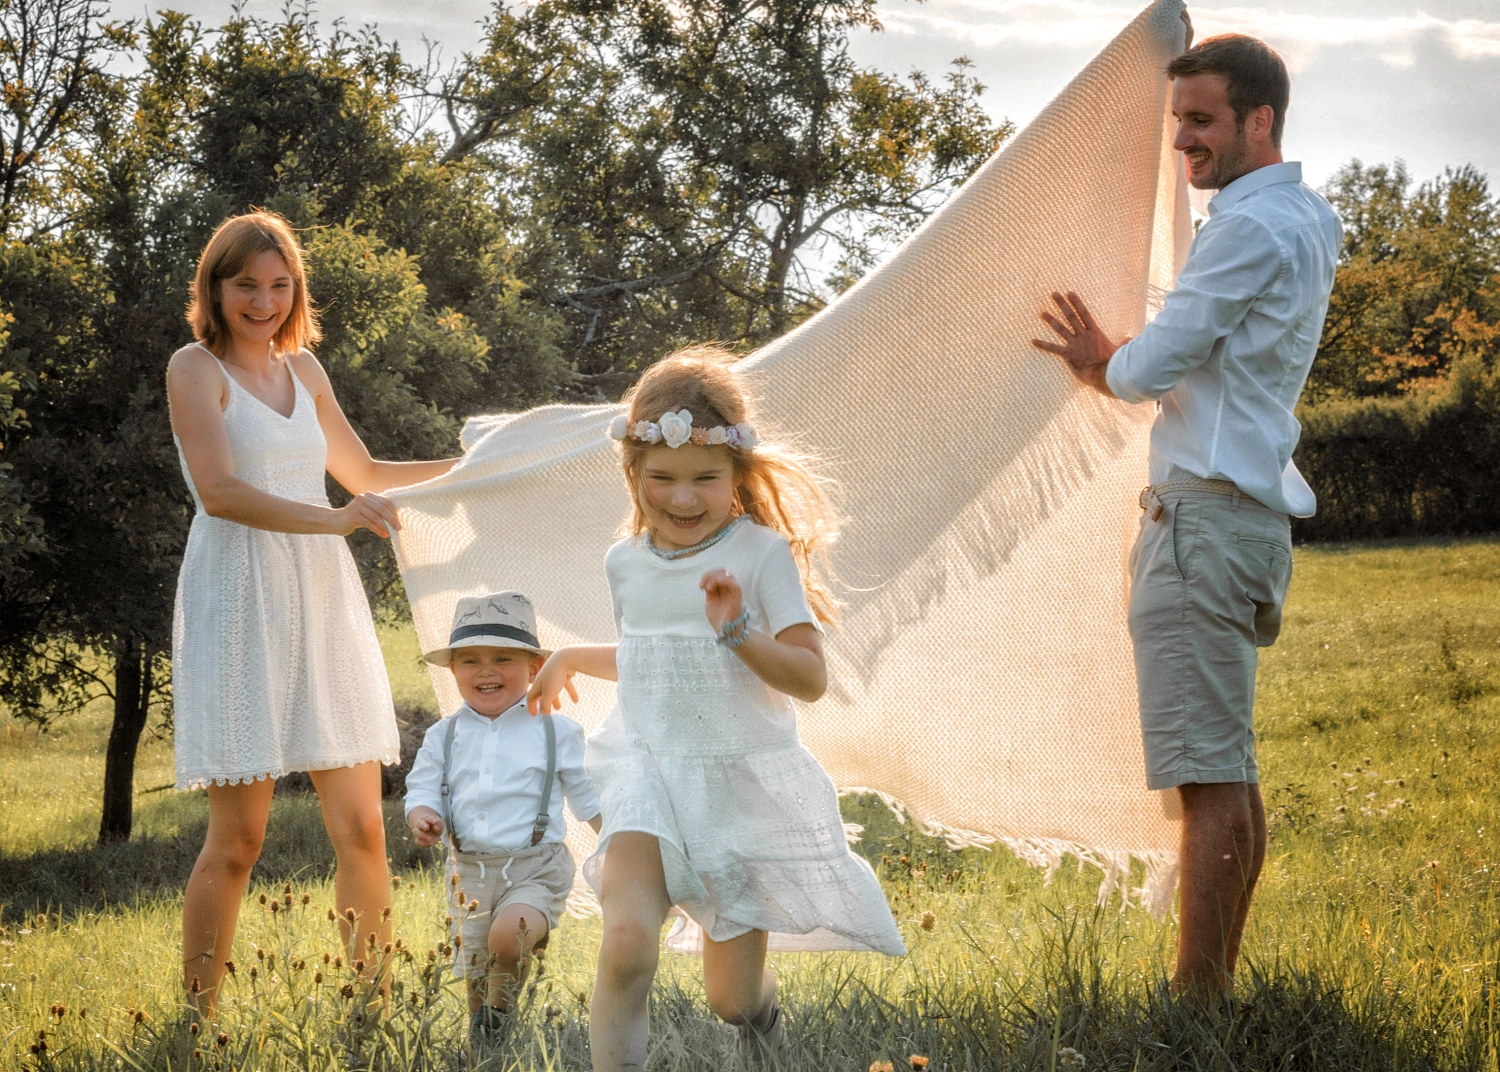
1075, 24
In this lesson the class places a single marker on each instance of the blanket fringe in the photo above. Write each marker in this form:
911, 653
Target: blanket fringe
1154, 894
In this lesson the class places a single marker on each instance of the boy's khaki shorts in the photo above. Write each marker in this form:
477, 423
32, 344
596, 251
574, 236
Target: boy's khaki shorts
1209, 575
540, 877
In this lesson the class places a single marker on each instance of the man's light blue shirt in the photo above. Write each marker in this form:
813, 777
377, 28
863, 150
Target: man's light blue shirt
1231, 348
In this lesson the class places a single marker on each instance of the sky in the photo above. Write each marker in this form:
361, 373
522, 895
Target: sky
1376, 80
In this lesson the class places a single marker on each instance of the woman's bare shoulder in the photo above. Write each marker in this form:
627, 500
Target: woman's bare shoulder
308, 368
196, 380
194, 362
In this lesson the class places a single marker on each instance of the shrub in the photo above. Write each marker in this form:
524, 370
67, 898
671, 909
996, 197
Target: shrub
1425, 463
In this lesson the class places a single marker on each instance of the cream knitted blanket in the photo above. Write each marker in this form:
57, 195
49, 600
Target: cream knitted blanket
982, 669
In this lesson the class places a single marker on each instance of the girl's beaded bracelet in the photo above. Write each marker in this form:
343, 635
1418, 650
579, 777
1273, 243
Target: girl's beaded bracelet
736, 631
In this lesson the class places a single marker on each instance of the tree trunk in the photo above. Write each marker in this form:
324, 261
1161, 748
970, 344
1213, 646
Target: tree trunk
132, 702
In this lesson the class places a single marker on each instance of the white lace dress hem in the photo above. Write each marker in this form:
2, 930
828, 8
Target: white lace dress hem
188, 783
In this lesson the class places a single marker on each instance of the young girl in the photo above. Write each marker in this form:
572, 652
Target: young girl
709, 800
275, 665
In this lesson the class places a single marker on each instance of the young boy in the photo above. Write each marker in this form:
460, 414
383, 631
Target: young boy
489, 776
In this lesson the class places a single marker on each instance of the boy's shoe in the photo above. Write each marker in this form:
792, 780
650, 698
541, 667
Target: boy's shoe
766, 1045
488, 1026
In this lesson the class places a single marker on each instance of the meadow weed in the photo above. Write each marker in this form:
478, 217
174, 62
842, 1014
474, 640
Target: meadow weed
1375, 942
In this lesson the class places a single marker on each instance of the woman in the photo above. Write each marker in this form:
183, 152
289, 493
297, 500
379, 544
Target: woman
275, 662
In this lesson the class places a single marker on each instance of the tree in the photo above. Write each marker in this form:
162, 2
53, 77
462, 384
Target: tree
94, 310
51, 59
20, 533
1418, 280
706, 170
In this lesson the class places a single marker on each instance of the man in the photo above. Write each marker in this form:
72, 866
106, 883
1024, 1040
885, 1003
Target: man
1226, 359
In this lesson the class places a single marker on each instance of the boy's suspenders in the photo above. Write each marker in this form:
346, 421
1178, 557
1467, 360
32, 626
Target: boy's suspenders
539, 828
543, 820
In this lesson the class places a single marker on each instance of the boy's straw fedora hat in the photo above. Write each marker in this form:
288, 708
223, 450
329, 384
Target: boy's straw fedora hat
497, 620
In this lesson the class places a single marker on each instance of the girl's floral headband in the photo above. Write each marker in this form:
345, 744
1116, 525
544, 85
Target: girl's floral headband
675, 429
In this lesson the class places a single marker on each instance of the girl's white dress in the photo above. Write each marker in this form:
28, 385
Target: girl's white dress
275, 665
705, 756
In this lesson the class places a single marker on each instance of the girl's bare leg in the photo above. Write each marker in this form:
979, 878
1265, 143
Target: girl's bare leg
634, 897
350, 797
740, 989
211, 903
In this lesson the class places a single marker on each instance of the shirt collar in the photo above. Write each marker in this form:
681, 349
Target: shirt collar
519, 705
1247, 184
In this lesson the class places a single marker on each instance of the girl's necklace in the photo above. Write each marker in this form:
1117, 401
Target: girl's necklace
683, 552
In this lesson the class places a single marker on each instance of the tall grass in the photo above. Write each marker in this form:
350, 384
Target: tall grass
1375, 941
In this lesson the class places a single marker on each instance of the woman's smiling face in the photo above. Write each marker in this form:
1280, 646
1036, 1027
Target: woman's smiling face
257, 300
686, 493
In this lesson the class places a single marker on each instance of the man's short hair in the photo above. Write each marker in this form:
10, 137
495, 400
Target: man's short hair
1255, 74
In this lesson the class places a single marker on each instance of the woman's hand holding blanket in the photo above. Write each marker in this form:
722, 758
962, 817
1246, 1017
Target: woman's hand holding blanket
367, 510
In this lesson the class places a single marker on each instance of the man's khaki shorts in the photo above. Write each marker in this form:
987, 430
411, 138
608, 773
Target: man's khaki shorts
1209, 574
540, 877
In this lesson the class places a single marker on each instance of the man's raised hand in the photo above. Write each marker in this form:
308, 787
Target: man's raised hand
1085, 350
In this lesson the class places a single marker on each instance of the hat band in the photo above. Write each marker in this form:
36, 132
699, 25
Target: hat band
510, 632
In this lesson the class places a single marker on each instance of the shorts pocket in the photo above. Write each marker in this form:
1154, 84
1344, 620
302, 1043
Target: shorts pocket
1265, 564
1264, 541
1185, 518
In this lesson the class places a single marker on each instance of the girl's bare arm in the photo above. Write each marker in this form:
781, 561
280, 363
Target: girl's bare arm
556, 675
791, 662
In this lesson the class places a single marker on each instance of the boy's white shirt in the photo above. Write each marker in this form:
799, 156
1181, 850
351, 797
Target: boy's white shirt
495, 778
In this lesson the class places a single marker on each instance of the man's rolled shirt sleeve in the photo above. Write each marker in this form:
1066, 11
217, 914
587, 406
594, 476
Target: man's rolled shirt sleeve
1233, 261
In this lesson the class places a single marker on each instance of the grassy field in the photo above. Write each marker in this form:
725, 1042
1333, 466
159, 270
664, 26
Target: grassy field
1375, 943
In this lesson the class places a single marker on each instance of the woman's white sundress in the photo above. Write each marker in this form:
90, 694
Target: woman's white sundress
704, 755
275, 665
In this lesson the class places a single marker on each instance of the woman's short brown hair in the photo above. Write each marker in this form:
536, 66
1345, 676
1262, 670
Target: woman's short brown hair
238, 240
1255, 74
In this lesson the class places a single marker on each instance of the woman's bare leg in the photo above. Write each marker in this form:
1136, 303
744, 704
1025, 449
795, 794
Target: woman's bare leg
350, 797
211, 903
633, 894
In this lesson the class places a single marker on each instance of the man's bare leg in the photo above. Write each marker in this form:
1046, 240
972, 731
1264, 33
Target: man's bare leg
1223, 848
1257, 861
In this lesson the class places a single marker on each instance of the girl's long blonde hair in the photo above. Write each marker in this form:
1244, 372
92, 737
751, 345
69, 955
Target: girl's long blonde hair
776, 486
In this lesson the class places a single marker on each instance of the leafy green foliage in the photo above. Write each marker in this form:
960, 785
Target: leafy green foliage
52, 58
704, 170
1426, 462
1418, 281
1401, 417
